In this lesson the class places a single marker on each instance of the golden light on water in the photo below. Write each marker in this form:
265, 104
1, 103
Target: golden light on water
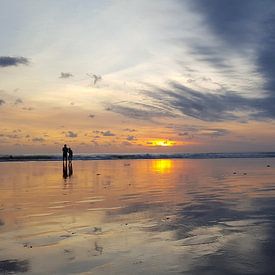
162, 165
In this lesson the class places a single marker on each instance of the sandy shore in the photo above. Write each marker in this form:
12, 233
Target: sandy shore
138, 217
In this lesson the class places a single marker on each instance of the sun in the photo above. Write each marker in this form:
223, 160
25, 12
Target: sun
161, 142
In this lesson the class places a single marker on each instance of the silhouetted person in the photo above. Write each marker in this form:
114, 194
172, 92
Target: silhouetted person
70, 168
65, 152
70, 152
65, 170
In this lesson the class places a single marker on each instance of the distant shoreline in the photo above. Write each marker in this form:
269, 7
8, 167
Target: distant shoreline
15, 158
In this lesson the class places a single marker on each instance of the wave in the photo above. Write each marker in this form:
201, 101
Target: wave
10, 158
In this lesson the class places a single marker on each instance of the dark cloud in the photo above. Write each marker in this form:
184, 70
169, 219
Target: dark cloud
107, 133
2, 102
7, 61
247, 25
180, 100
91, 116
71, 134
38, 139
204, 106
236, 22
65, 75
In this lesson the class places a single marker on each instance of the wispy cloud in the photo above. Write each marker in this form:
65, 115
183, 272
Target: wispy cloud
18, 101
129, 130
107, 133
28, 108
38, 139
141, 111
65, 75
131, 138
215, 132
7, 61
71, 134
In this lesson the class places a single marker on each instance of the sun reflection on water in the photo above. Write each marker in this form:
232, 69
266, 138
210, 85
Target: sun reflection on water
162, 165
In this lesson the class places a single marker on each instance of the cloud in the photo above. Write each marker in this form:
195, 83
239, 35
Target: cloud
18, 101
183, 134
13, 136
65, 75
129, 130
91, 116
7, 61
71, 134
28, 108
2, 102
236, 22
141, 111
215, 132
38, 139
107, 133
179, 100
131, 138
244, 27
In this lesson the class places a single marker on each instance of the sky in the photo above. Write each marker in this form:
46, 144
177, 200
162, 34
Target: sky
126, 76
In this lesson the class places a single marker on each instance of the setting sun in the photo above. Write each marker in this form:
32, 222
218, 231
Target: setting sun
161, 142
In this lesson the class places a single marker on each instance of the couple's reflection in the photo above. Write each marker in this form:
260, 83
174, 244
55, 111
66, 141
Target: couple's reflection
67, 169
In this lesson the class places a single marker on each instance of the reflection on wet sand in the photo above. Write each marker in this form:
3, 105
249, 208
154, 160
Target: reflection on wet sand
162, 165
13, 266
149, 217
67, 169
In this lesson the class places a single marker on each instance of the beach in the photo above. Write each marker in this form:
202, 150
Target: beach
145, 216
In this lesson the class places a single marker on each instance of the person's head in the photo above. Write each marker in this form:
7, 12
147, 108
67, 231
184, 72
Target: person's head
65, 145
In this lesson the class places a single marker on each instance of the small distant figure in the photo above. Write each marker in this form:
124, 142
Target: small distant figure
65, 152
70, 152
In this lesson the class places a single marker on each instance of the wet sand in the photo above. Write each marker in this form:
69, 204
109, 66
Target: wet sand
138, 217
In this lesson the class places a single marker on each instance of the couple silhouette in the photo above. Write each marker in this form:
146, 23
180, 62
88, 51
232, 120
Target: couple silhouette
67, 155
